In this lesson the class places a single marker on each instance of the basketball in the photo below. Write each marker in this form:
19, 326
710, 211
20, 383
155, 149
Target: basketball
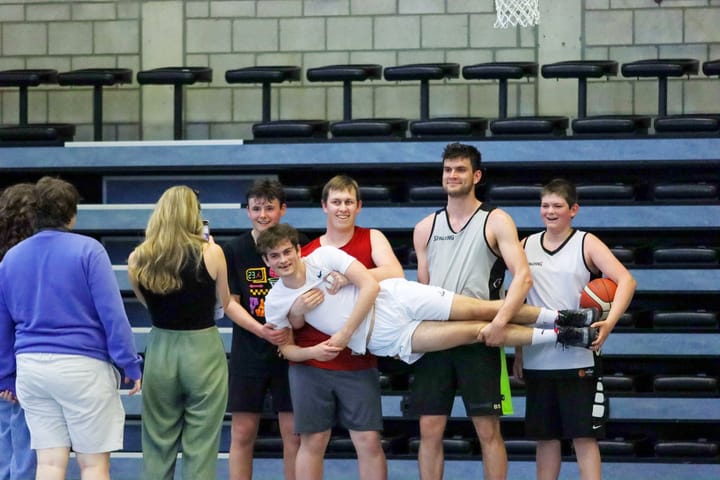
599, 293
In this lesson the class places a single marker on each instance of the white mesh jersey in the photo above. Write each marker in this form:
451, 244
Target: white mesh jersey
460, 263
558, 279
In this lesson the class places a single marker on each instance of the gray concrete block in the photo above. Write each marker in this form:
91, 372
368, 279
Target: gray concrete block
12, 13
279, 8
326, 8
444, 31
209, 105
421, 6
470, 6
93, 61
280, 58
349, 33
211, 35
24, 39
302, 34
121, 105
372, 7
658, 26
701, 25
197, 9
613, 27
247, 105
610, 97
126, 10
255, 35
94, 11
121, 36
397, 100
234, 9
702, 96
39, 13
70, 105
397, 32
305, 103
73, 38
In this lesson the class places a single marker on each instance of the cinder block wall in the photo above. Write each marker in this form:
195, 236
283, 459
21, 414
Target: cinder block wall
228, 34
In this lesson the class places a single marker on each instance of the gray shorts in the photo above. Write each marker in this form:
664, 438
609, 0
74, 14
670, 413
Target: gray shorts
323, 398
71, 401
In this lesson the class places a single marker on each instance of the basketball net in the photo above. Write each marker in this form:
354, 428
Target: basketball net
525, 13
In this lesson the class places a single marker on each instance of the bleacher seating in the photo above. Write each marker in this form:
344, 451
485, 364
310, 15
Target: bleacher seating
661, 373
178, 77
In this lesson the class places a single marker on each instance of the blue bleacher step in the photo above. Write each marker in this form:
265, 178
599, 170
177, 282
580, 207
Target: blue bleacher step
149, 188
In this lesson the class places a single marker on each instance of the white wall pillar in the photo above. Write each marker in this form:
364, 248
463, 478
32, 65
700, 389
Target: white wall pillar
559, 38
162, 46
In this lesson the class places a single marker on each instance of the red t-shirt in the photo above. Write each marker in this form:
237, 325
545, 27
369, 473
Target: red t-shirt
359, 247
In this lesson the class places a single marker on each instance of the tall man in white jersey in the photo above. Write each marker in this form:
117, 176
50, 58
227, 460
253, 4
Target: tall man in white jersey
462, 247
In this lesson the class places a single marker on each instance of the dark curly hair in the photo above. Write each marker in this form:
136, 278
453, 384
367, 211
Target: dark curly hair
18, 217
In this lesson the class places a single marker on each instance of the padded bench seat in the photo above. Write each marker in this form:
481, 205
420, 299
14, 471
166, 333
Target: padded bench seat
277, 130
595, 124
550, 125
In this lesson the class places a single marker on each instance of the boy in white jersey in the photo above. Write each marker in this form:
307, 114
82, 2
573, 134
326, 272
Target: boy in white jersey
388, 318
564, 390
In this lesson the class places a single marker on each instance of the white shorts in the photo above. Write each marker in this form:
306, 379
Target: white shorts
71, 401
400, 307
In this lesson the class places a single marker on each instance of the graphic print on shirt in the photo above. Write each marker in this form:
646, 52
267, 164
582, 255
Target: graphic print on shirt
258, 280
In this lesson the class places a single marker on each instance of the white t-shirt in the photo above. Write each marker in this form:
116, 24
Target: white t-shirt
325, 316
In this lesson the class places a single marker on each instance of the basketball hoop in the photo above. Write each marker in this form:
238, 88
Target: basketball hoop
525, 13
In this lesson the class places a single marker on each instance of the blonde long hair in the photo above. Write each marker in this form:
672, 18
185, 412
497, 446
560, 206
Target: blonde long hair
173, 238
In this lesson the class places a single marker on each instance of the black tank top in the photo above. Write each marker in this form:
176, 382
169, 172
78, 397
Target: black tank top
189, 308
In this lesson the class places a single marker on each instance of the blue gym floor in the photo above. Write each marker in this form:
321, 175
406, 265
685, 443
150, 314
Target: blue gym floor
128, 467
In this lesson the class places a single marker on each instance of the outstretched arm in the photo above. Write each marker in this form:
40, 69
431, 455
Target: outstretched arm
502, 233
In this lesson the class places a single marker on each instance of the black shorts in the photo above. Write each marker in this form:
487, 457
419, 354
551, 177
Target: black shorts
247, 391
474, 370
566, 405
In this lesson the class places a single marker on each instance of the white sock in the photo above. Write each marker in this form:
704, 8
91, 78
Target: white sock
546, 318
543, 335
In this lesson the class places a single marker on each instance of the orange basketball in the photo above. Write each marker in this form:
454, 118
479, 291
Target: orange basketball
599, 293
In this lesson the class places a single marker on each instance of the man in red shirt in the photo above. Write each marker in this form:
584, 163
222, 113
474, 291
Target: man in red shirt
345, 387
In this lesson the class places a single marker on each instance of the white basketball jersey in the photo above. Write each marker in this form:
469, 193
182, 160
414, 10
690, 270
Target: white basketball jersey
558, 279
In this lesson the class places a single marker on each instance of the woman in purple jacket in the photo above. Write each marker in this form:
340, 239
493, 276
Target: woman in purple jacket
62, 314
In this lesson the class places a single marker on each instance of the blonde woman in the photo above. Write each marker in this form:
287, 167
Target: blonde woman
178, 275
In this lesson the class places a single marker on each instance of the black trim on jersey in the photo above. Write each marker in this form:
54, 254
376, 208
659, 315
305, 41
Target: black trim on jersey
489, 209
593, 275
553, 252
447, 218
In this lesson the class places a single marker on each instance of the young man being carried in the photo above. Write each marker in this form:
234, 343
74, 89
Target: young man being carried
395, 317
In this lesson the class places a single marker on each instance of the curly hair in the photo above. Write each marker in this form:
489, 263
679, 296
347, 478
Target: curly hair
173, 238
18, 215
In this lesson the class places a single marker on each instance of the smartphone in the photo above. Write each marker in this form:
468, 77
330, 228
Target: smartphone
206, 229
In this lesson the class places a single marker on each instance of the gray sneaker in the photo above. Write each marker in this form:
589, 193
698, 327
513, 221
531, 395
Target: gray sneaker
583, 317
576, 336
